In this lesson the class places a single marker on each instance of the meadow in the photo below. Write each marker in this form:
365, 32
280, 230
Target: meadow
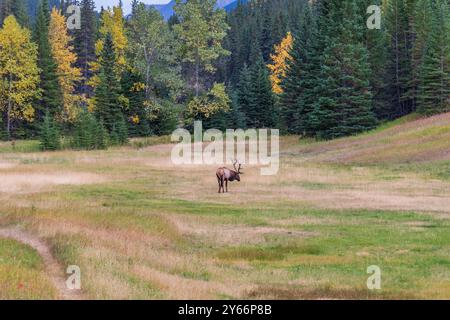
140, 227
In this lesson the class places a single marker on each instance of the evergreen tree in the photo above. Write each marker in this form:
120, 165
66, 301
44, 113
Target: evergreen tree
260, 111
107, 102
398, 77
236, 117
51, 100
120, 132
377, 44
134, 93
89, 134
5, 10
299, 85
434, 77
84, 43
344, 105
18, 8
50, 139
242, 92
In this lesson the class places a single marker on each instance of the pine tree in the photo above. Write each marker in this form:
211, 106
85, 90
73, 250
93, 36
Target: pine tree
236, 117
260, 112
299, 85
377, 44
398, 77
84, 43
121, 131
18, 8
5, 10
49, 137
133, 90
89, 134
107, 103
434, 77
51, 100
242, 92
344, 105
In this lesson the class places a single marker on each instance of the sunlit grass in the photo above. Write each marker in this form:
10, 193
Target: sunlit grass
21, 273
151, 230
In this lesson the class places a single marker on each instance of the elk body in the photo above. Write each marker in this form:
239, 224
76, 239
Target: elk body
224, 175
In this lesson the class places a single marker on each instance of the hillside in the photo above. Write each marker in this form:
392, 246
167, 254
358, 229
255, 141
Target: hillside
166, 10
407, 140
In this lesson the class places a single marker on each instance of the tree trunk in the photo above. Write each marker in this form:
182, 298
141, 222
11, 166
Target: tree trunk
147, 73
197, 73
8, 113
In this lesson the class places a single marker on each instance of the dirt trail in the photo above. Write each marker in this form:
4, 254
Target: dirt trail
52, 268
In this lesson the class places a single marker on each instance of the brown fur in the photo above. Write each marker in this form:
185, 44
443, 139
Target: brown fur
224, 175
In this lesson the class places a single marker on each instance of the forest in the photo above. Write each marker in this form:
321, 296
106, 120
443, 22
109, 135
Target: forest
310, 68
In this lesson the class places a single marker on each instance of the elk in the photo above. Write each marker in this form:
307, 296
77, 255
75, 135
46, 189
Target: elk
224, 175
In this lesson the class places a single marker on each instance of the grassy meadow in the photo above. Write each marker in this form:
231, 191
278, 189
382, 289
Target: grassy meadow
140, 227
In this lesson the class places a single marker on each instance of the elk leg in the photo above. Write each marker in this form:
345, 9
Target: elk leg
220, 184
226, 183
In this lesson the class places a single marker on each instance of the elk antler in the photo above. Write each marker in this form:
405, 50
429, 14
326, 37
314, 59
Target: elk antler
234, 165
238, 170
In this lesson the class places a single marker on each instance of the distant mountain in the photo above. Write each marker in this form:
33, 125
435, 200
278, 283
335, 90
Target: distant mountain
233, 5
166, 10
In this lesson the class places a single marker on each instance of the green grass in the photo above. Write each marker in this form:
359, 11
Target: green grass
145, 228
21, 146
21, 273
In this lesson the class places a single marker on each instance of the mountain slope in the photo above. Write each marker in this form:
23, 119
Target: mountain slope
166, 10
405, 141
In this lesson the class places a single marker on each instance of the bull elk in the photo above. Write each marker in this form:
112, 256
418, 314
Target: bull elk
224, 175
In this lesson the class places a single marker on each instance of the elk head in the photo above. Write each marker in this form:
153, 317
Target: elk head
237, 170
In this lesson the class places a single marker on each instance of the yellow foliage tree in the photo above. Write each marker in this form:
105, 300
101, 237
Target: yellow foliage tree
280, 63
19, 73
65, 58
111, 22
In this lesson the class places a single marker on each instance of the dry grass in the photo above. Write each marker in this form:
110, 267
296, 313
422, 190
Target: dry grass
140, 227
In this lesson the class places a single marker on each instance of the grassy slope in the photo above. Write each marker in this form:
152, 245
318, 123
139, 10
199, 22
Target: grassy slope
21, 273
148, 229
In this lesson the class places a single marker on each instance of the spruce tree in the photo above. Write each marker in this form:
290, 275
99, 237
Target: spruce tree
51, 100
236, 117
377, 43
344, 106
49, 137
84, 44
5, 10
242, 92
299, 86
138, 125
107, 102
260, 112
399, 75
434, 76
89, 134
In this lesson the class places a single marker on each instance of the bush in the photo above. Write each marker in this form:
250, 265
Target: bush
89, 134
50, 139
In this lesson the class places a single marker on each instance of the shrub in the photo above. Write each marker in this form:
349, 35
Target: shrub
49, 138
89, 134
